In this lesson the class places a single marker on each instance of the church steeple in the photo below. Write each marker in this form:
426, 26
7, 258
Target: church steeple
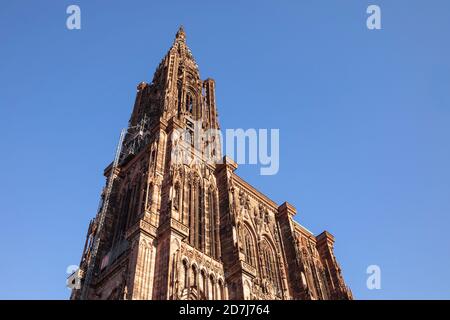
177, 89
174, 223
181, 49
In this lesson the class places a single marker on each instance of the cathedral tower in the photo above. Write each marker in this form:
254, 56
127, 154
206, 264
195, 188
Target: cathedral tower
175, 223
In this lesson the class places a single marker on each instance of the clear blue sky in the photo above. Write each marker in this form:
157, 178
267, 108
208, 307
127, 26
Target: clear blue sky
363, 116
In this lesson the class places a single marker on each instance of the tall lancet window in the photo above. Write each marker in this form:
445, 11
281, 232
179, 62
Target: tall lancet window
189, 104
213, 219
249, 247
191, 213
270, 266
176, 197
180, 98
123, 215
196, 217
185, 275
193, 278
221, 290
200, 239
136, 199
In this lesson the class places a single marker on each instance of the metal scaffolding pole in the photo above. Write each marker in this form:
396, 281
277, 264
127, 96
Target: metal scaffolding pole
101, 219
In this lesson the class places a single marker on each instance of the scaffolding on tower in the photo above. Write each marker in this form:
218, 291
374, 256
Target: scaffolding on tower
135, 138
100, 219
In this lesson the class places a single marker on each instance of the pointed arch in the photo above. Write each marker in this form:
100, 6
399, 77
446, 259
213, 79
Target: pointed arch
212, 287
193, 277
125, 207
203, 282
213, 221
189, 103
191, 213
196, 214
249, 245
270, 265
176, 199
221, 290
200, 217
180, 97
185, 274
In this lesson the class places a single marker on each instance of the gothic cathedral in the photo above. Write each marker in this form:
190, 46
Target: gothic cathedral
193, 229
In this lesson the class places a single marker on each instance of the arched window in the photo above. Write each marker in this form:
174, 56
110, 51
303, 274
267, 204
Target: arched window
197, 232
185, 276
203, 285
191, 214
176, 197
179, 98
193, 279
135, 201
270, 269
249, 247
123, 215
200, 241
221, 292
212, 288
143, 196
189, 104
213, 226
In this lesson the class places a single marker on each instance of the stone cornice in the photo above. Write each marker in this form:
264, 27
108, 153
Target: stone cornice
255, 192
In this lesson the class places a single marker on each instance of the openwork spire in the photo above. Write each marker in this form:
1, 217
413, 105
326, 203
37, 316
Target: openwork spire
180, 46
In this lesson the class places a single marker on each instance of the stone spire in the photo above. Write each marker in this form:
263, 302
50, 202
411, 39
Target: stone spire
181, 35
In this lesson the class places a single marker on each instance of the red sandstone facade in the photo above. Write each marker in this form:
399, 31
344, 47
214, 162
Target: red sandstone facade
196, 230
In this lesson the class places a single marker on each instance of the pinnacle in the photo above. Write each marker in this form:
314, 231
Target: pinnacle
181, 34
